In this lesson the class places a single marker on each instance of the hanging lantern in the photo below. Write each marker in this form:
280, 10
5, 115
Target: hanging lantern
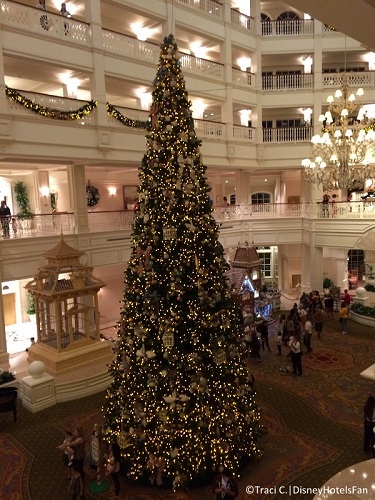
169, 233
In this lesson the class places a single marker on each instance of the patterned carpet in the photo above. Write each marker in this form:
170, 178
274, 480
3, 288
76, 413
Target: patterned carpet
314, 425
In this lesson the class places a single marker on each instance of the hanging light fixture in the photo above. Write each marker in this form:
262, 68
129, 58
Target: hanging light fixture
341, 153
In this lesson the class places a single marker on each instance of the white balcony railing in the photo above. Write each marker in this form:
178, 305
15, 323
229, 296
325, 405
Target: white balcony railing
44, 23
131, 113
287, 82
55, 224
354, 79
243, 21
210, 7
244, 78
209, 130
205, 67
288, 27
287, 134
110, 221
241, 133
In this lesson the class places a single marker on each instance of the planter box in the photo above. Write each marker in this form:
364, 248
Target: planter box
363, 320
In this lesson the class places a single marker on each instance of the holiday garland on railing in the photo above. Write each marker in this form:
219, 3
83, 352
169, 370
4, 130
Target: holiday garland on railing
50, 112
112, 111
71, 115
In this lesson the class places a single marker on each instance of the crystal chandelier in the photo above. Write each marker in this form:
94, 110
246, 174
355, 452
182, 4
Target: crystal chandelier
341, 153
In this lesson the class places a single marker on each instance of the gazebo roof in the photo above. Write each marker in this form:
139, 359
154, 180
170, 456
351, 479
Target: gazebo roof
244, 257
63, 255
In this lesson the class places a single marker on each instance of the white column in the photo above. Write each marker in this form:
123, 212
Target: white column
243, 188
169, 27
77, 194
316, 266
305, 268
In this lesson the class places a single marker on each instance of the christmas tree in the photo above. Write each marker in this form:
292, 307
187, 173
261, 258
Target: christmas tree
181, 403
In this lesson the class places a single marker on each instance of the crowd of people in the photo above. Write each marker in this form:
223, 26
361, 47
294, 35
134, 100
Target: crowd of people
295, 329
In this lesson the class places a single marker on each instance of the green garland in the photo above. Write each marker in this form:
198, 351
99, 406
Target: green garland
123, 119
71, 115
50, 112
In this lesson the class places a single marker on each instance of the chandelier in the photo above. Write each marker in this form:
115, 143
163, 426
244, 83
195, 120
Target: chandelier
341, 153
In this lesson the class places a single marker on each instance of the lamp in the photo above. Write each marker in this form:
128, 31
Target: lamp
341, 153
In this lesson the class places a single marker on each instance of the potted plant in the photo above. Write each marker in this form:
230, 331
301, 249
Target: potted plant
6, 377
327, 284
31, 311
22, 200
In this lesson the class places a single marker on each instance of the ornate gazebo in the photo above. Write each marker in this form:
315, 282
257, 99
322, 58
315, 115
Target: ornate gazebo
67, 311
245, 275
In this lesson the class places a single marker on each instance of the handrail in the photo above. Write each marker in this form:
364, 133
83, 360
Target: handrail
118, 220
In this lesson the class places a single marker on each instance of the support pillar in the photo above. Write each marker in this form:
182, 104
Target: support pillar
4, 356
77, 193
316, 266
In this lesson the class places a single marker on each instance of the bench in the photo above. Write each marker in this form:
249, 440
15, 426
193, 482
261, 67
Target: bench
8, 400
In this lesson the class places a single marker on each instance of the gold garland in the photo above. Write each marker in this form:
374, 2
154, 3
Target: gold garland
71, 115
112, 111
57, 114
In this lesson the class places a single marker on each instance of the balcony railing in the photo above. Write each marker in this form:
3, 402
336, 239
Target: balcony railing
241, 133
208, 6
287, 134
287, 27
354, 79
287, 82
44, 23
242, 20
209, 130
55, 224
244, 78
207, 68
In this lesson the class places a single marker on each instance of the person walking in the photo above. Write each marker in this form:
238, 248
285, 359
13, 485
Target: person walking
263, 330
369, 425
328, 305
255, 345
308, 334
296, 355
343, 318
318, 321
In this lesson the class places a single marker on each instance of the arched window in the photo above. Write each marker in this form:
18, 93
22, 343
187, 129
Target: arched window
266, 24
259, 198
287, 23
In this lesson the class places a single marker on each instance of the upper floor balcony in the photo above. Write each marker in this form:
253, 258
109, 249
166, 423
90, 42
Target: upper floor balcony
43, 225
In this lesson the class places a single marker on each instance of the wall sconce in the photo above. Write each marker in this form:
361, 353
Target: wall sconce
112, 191
44, 191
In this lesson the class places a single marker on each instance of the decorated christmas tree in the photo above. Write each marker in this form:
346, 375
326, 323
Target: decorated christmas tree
181, 403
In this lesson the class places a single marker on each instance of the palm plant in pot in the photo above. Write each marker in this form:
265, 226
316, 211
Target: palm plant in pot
23, 202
